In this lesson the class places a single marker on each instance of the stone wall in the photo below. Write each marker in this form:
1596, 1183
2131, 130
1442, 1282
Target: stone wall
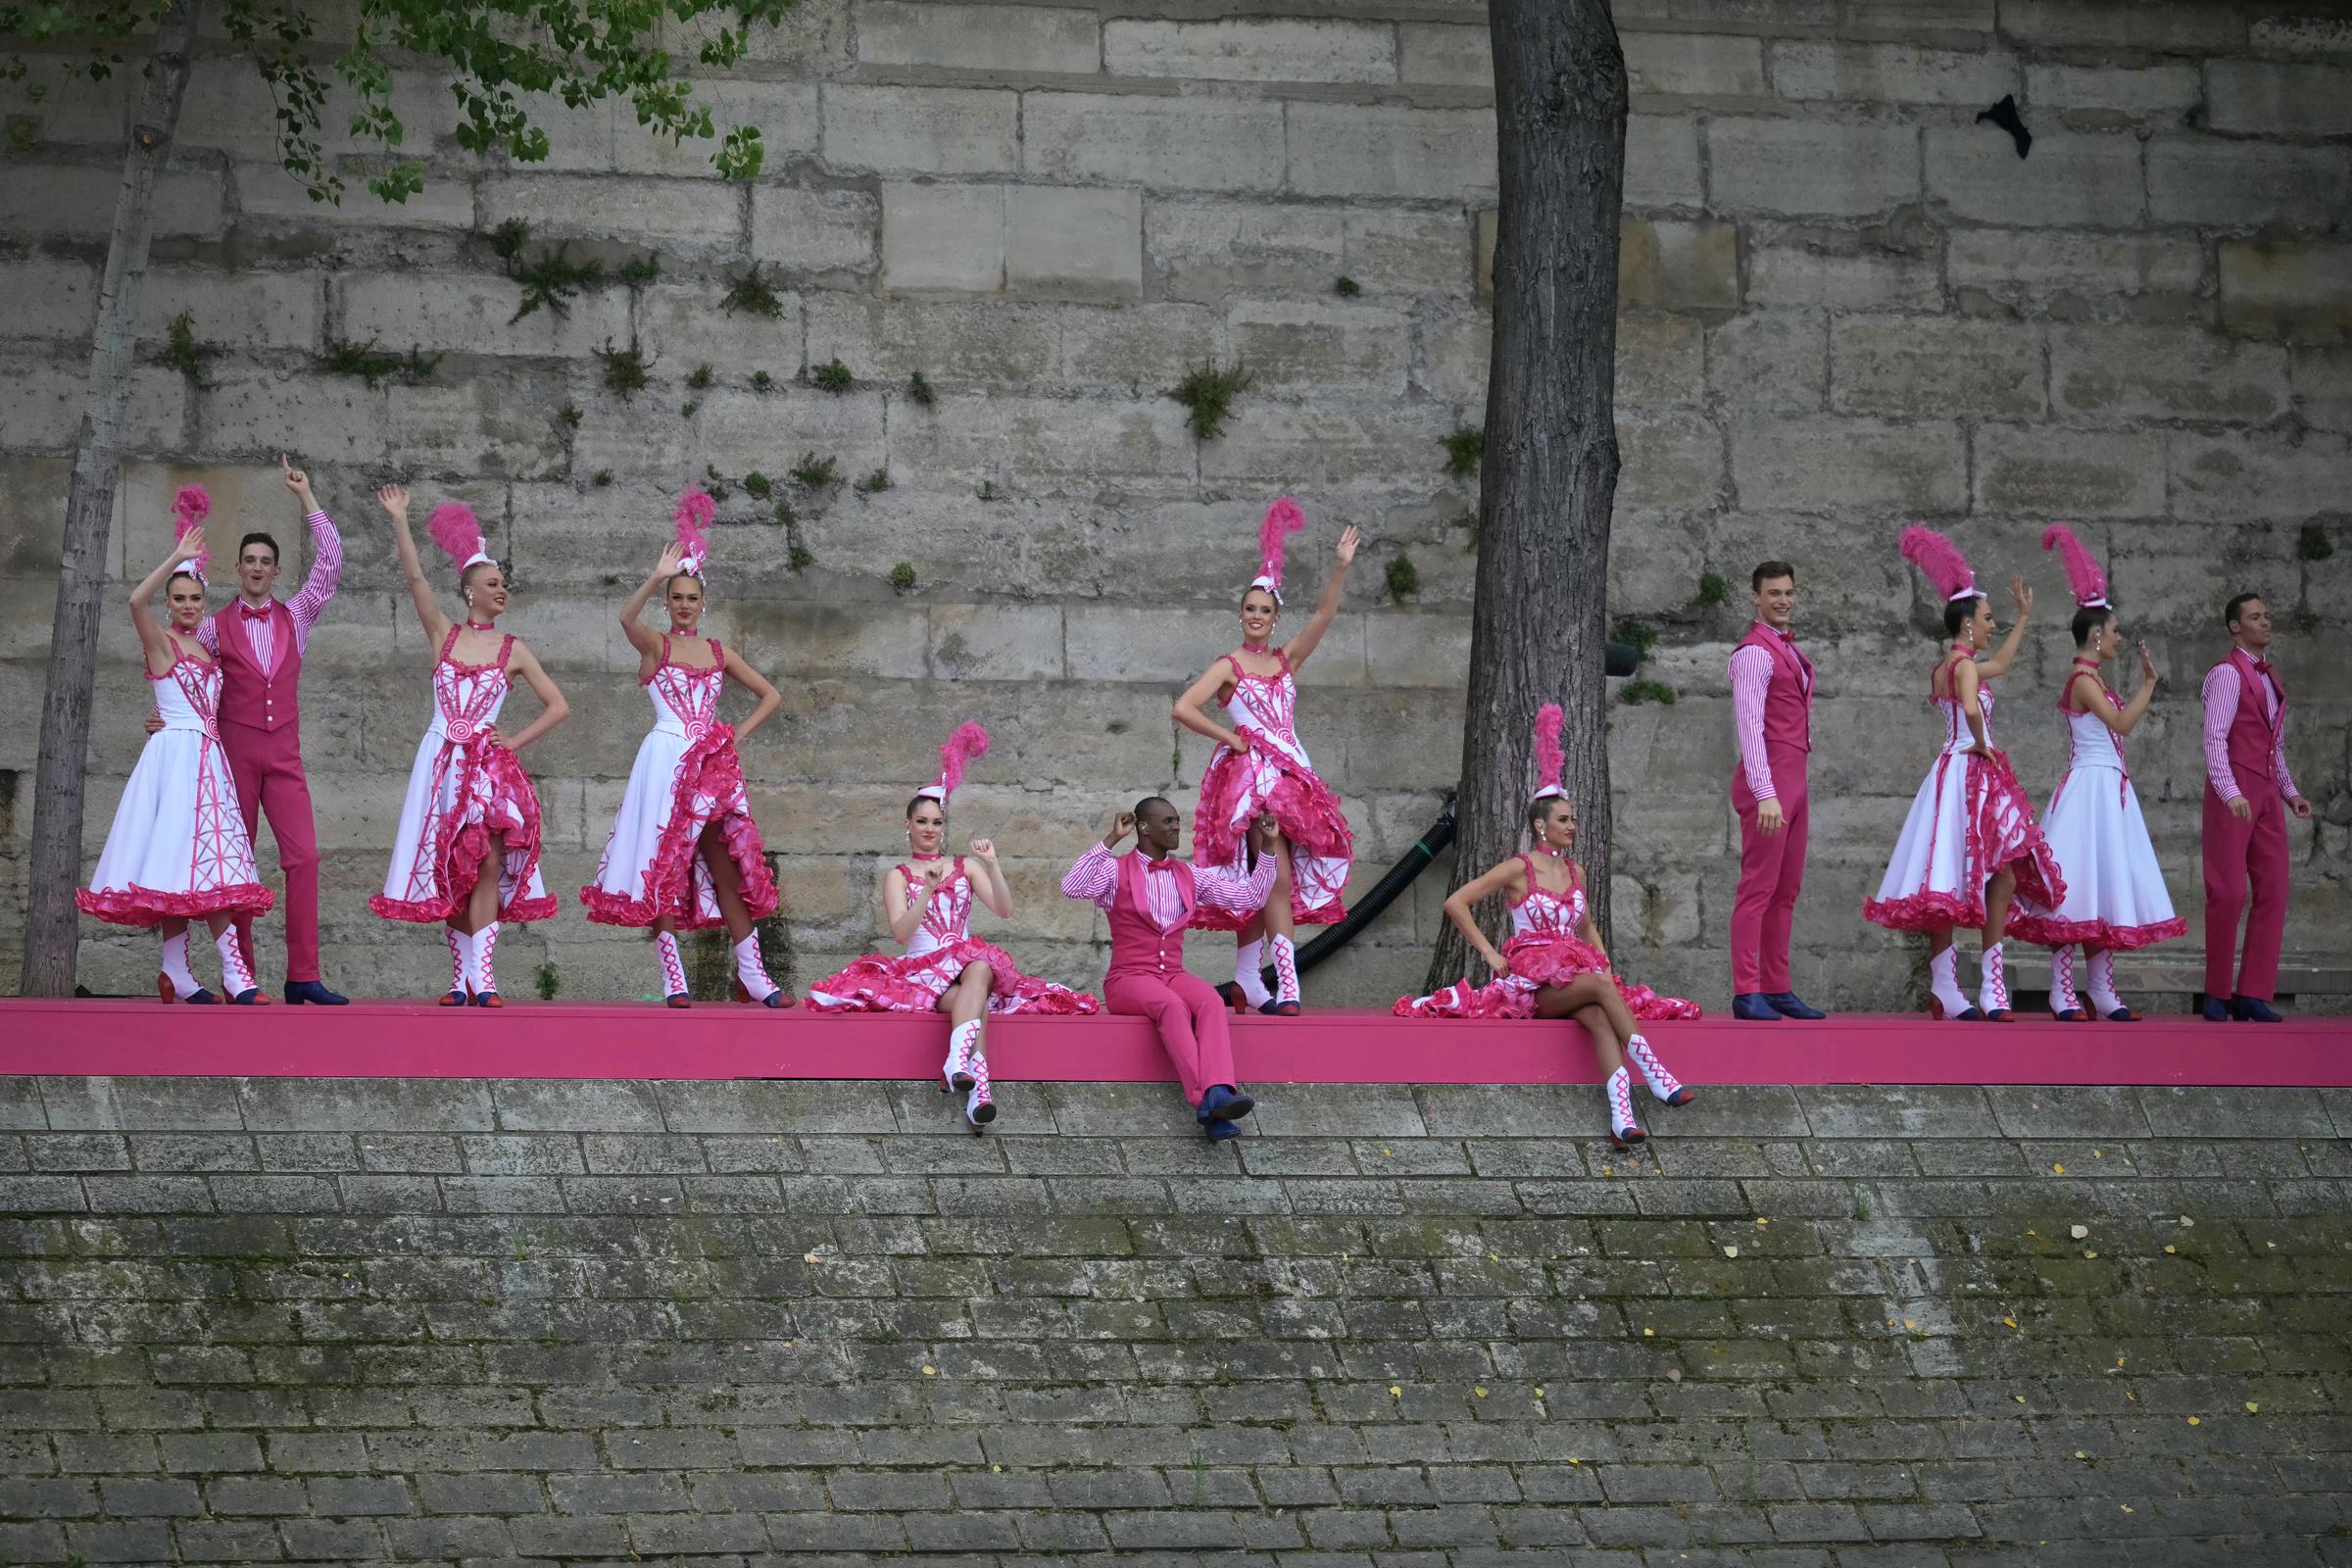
761, 1323
1847, 306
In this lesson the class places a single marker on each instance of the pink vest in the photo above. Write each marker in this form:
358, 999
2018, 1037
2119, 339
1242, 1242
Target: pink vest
1137, 942
251, 697
1789, 699
2253, 734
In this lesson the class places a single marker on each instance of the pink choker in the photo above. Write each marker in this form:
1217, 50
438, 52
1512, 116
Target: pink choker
473, 624
1545, 849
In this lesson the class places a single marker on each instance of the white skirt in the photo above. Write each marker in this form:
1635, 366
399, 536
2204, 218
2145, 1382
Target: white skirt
177, 848
2114, 893
459, 799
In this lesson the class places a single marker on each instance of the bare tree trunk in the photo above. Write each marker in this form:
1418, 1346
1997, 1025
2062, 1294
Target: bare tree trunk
51, 925
1549, 476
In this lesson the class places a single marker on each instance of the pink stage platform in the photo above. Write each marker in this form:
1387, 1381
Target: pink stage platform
562, 1040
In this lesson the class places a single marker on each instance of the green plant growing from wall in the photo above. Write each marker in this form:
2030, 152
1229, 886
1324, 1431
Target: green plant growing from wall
1403, 579
1465, 449
553, 279
1208, 395
751, 295
714, 481
874, 483
800, 559
1712, 591
550, 982
182, 353
762, 383
902, 577
570, 415
784, 513
507, 241
1638, 692
2313, 543
638, 271
921, 391
700, 378
1638, 635
757, 484
1346, 287
343, 357
831, 376
625, 373
812, 472
604, 477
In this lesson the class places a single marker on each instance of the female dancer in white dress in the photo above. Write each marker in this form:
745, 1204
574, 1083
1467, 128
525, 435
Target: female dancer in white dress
467, 855
1259, 768
1970, 841
927, 902
178, 849
684, 853
2114, 893
1553, 966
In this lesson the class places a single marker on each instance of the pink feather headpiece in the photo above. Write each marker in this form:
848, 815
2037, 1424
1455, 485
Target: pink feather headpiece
1283, 518
2090, 582
968, 742
1551, 762
1941, 562
695, 511
189, 509
459, 537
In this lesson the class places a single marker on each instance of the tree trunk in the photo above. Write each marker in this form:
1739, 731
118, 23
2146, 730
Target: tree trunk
1549, 476
52, 926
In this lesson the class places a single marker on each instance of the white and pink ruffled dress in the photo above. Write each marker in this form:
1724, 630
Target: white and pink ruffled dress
464, 790
2114, 893
178, 849
1544, 949
1273, 775
1970, 818
687, 776
936, 955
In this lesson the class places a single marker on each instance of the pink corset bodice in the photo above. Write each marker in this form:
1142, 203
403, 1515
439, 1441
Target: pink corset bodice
1266, 707
467, 697
1547, 912
947, 917
686, 699
1956, 737
187, 697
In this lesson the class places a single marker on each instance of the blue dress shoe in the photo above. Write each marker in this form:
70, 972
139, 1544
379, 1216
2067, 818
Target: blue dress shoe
2215, 1011
299, 992
1751, 1006
1788, 1005
2252, 1009
1219, 1131
1223, 1102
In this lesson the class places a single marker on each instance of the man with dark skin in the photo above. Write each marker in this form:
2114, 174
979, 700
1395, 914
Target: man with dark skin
1150, 897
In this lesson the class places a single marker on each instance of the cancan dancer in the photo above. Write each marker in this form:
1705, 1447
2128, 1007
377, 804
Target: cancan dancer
1772, 710
179, 850
2248, 794
2114, 894
928, 903
1970, 841
466, 852
684, 853
1259, 766
1553, 966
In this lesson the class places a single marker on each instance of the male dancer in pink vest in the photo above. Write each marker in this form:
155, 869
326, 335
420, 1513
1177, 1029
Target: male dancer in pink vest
1150, 897
2248, 792
1772, 714
260, 642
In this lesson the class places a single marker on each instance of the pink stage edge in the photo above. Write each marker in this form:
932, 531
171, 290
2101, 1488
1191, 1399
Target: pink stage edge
560, 1040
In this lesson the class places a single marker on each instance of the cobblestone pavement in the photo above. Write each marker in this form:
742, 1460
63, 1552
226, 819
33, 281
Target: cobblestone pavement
761, 1323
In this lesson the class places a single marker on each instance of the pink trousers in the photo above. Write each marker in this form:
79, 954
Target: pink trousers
1190, 1018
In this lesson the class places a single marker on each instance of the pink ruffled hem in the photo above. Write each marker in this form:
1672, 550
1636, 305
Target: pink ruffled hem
709, 770
1311, 822
1538, 960
2046, 931
464, 845
146, 908
1992, 844
887, 983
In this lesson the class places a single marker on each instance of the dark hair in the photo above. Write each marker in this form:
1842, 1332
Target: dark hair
276, 555
919, 800
2231, 613
2090, 619
1959, 612
1151, 799
1763, 574
1261, 588
1539, 812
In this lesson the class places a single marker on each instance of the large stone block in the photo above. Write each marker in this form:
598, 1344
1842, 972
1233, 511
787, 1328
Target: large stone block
997, 642
505, 426
1661, 162
1677, 266
803, 231
1135, 346
1310, 344
1660, 360
2314, 34
1776, 359
2257, 475
2265, 98
2298, 289
669, 215
267, 193
1323, 444
1442, 55
1155, 142
1203, 250
2071, 179
681, 326
784, 113
1391, 150
2244, 184
1409, 251
1907, 365
1669, 460
745, 431
2049, 265
2037, 472
943, 238
921, 130
997, 344
1021, 39
1838, 274
256, 414
1074, 244
85, 112
1166, 647
1253, 49
969, 440
1810, 166
1900, 74
472, 313
252, 309
2109, 95
42, 201
1810, 464
2323, 381
2135, 372
1692, 64
2170, 27
48, 299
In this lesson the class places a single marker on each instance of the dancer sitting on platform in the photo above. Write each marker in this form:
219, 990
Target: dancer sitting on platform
1153, 899
684, 853
1553, 966
466, 853
2248, 792
2114, 894
1260, 766
1970, 841
928, 903
178, 849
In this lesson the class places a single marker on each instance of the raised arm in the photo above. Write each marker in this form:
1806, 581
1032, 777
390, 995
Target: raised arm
393, 498
761, 687
553, 711
1188, 709
1509, 877
988, 879
2092, 696
1221, 887
154, 642
326, 554
903, 905
642, 637
1302, 645
2003, 656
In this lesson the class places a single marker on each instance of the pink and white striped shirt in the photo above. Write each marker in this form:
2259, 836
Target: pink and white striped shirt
2221, 692
306, 607
1750, 671
1096, 879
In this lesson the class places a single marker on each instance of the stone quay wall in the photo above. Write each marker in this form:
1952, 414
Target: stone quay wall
1847, 306
809, 1325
